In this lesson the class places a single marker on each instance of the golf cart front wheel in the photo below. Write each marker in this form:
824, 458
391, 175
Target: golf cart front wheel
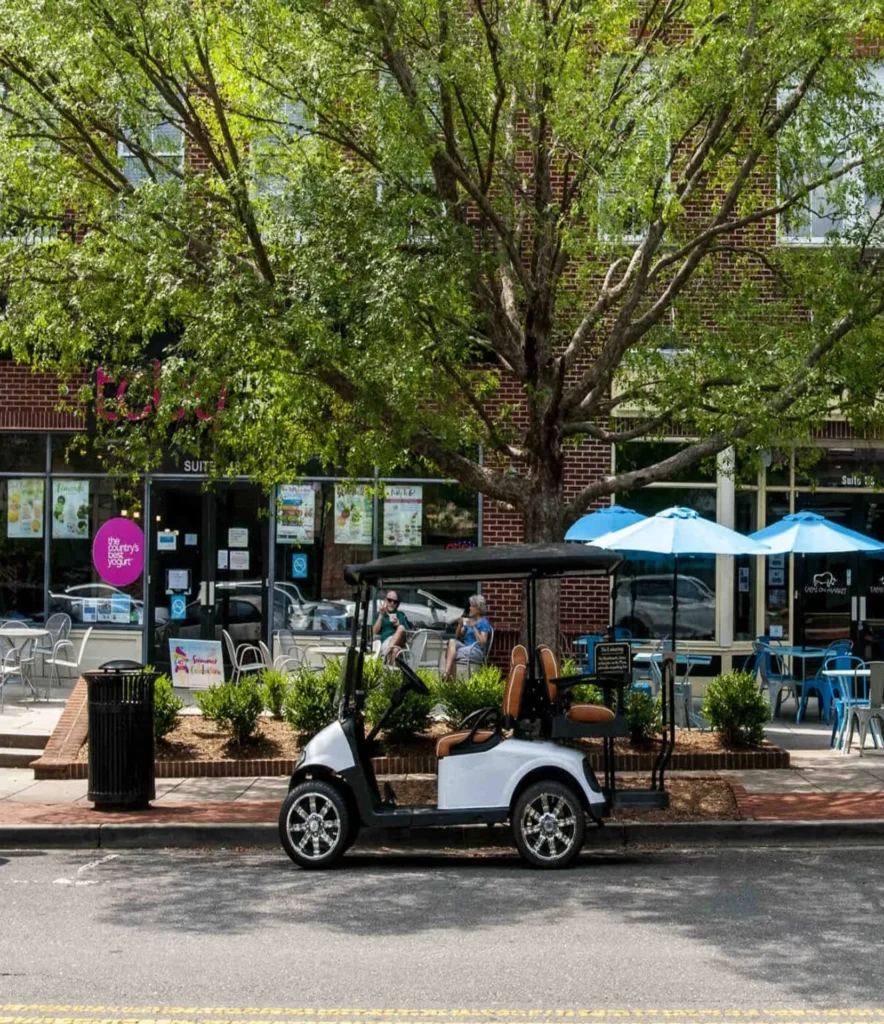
315, 824
548, 824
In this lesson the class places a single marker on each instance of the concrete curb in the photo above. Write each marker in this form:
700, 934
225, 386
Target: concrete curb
264, 834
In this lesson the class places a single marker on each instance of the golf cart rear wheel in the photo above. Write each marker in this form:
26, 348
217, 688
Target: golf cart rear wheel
548, 824
315, 824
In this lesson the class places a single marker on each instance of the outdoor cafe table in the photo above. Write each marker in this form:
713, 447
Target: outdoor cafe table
802, 653
18, 636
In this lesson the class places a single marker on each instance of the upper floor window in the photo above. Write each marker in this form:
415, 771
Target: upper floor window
157, 155
637, 179
823, 142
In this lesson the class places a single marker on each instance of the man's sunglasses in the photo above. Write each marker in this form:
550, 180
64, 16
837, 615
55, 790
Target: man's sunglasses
392, 600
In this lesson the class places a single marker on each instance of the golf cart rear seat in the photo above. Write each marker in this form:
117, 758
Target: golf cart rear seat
571, 720
473, 739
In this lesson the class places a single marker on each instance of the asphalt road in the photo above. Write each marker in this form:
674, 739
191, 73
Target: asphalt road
164, 935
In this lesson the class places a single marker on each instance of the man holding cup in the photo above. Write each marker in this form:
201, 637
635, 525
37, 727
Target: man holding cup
390, 626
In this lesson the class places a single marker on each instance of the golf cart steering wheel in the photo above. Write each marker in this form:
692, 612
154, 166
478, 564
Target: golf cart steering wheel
411, 677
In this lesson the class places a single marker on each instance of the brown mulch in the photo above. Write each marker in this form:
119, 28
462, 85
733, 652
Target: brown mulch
196, 739
703, 799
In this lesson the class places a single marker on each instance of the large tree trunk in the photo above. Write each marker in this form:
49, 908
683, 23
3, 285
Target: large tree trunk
544, 520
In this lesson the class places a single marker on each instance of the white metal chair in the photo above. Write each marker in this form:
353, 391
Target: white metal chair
425, 648
466, 668
59, 627
14, 663
863, 717
245, 658
66, 656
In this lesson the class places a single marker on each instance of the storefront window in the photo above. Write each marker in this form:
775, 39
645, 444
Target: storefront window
77, 509
745, 519
776, 581
22, 526
641, 454
320, 529
23, 453
643, 590
72, 454
437, 515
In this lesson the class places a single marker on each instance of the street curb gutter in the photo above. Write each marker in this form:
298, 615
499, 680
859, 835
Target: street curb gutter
201, 835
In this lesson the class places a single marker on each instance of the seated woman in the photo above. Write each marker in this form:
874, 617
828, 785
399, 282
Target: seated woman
473, 633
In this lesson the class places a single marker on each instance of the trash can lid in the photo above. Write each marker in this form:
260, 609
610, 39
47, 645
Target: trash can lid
120, 665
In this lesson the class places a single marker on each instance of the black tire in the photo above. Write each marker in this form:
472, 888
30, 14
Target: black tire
549, 824
315, 824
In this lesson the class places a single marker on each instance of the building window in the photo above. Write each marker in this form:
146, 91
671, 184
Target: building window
23, 453
22, 526
77, 509
157, 155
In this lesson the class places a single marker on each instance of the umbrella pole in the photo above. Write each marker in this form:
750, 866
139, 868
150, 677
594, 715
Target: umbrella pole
674, 599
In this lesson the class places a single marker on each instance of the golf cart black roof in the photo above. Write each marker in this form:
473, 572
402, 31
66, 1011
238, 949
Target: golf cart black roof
504, 562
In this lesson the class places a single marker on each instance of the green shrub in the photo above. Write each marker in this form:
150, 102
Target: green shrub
643, 715
373, 671
236, 707
274, 687
311, 702
461, 697
569, 668
735, 708
413, 714
166, 705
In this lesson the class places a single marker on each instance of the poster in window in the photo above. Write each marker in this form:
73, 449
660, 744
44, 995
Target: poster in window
70, 510
403, 509
295, 514
25, 511
353, 514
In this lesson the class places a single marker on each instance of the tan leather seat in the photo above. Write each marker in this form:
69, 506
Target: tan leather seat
519, 655
576, 712
443, 747
512, 701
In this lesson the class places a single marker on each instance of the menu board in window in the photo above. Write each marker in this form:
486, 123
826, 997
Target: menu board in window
403, 509
296, 514
70, 509
353, 514
25, 512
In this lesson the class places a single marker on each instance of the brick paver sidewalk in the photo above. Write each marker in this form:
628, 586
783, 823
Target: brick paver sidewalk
804, 795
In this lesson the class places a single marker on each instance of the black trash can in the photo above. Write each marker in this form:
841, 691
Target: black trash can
121, 753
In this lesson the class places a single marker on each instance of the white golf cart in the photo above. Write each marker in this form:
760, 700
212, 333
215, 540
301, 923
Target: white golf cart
502, 764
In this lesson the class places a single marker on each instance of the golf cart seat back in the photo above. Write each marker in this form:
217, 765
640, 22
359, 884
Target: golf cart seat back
584, 713
466, 740
519, 655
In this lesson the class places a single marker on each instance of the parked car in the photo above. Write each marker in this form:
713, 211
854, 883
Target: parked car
650, 614
94, 602
423, 609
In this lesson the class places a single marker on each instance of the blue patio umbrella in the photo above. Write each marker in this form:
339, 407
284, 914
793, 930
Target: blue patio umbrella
602, 521
809, 533
680, 531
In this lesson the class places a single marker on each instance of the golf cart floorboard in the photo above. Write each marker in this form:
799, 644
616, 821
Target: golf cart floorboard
641, 798
415, 816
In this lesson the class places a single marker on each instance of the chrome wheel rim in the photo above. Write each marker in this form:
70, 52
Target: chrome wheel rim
314, 826
549, 826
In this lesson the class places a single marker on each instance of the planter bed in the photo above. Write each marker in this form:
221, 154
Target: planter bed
199, 748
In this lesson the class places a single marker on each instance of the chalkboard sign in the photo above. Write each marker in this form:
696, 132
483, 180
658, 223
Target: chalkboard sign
613, 661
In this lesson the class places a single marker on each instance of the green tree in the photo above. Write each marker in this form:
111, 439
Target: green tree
418, 229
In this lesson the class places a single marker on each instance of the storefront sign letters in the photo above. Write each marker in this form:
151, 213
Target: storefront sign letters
118, 552
105, 394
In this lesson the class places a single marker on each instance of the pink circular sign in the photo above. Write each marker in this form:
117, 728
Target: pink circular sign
118, 552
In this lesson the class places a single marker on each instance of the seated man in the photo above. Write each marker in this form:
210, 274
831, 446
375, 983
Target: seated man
390, 627
473, 633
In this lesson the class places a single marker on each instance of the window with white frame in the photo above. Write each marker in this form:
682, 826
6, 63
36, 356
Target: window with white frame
851, 199
290, 122
156, 156
641, 166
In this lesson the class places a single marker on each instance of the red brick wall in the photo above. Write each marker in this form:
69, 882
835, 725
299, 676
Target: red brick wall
29, 400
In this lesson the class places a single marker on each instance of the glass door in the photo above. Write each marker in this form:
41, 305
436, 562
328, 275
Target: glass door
208, 558
179, 546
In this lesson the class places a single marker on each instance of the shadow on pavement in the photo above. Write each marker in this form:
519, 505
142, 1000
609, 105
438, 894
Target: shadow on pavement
790, 917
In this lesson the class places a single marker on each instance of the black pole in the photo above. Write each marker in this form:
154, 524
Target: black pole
674, 599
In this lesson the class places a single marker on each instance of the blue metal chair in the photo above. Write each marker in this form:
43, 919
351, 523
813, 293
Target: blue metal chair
622, 633
774, 678
825, 687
